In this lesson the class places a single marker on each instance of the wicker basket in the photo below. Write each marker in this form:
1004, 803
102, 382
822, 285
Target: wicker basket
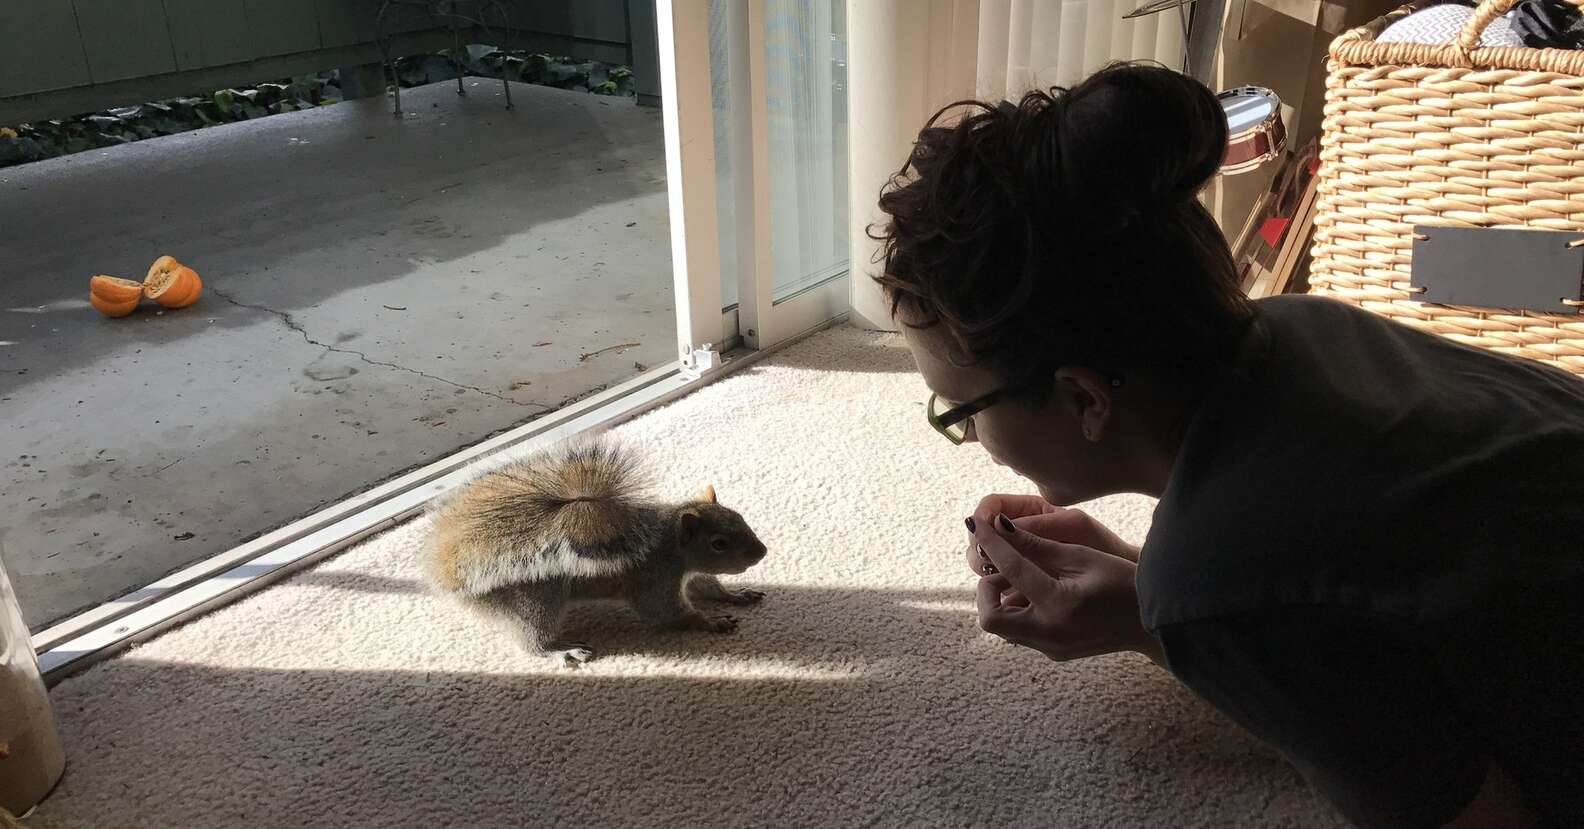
1447, 135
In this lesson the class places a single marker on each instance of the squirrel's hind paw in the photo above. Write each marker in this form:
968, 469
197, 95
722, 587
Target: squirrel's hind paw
570, 655
573, 656
720, 624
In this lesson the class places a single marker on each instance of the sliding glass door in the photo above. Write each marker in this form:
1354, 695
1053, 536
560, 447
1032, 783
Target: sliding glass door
775, 170
800, 119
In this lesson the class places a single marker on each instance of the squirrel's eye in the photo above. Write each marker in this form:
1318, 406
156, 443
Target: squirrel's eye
718, 544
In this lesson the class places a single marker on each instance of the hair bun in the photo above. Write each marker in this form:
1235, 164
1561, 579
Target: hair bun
1130, 140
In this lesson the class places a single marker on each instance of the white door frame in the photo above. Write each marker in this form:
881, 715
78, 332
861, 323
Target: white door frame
764, 320
688, 117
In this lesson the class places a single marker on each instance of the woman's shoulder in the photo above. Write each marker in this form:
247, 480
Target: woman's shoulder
1356, 354
1308, 309
1347, 461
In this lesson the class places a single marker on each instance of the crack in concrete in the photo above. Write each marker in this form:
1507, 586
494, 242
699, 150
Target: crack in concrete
290, 322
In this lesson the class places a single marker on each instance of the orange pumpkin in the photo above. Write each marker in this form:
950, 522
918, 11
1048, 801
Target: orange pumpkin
172, 284
114, 296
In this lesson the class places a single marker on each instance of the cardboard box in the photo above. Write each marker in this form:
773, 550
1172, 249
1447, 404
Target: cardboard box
1282, 46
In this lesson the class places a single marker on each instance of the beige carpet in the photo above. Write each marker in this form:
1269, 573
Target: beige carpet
859, 694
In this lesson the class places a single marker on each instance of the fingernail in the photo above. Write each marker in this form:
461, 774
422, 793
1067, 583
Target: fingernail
1005, 522
982, 554
972, 527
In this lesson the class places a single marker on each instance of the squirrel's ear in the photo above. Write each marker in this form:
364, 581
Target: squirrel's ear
709, 494
687, 526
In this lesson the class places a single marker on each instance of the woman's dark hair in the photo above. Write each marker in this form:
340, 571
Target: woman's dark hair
1067, 230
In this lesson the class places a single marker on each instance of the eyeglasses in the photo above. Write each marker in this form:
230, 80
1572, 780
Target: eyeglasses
953, 422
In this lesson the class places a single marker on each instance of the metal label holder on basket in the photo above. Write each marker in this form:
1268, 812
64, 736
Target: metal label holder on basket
1531, 270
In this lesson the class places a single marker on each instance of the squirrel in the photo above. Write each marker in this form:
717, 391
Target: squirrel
522, 540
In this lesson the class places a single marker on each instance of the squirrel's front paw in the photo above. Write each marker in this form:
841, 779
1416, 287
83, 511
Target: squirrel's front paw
698, 621
746, 596
718, 624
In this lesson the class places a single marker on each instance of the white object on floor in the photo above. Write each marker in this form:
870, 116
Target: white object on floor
859, 693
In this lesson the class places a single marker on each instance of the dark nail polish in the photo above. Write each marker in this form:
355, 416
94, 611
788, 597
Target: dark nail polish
1006, 523
972, 527
982, 554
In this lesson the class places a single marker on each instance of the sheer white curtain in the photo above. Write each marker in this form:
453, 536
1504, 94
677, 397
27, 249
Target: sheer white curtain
1027, 44
911, 57
805, 82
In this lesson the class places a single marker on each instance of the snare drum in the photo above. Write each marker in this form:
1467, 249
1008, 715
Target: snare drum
1255, 133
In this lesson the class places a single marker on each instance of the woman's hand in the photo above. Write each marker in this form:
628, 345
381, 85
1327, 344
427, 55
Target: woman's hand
1033, 514
1068, 601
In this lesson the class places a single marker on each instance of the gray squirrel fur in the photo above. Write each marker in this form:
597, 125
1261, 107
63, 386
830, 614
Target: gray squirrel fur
523, 539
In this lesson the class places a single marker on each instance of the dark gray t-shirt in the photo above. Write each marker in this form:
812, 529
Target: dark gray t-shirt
1371, 555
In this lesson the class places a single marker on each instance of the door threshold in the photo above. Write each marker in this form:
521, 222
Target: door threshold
83, 640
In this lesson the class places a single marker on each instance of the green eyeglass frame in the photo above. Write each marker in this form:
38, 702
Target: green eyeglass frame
953, 423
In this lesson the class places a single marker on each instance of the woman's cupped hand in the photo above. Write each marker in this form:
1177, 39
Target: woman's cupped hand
1055, 580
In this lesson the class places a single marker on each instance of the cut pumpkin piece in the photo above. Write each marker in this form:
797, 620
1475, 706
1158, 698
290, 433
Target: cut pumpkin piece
114, 296
172, 284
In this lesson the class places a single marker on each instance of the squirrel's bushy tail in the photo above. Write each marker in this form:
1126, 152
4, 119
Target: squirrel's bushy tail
586, 491
576, 509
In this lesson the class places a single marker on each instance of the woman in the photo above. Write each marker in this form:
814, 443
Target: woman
1369, 544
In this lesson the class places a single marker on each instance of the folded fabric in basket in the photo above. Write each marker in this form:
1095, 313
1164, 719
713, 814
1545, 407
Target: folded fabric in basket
1440, 25
1549, 24
1538, 24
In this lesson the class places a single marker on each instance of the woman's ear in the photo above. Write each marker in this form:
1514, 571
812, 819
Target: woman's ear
708, 496
1086, 394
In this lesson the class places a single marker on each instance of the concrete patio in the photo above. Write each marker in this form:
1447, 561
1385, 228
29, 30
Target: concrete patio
378, 294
